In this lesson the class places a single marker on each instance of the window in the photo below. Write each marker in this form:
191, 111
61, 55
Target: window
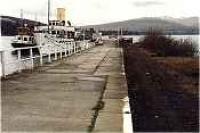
53, 32
19, 38
30, 39
25, 39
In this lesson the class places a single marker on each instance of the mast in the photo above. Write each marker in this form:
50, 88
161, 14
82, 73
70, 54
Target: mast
22, 16
48, 13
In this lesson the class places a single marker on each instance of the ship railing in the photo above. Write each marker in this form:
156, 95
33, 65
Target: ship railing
73, 48
77, 45
34, 59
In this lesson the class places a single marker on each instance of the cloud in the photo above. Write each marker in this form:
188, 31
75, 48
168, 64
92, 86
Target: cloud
147, 3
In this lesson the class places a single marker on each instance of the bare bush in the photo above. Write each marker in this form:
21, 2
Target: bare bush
163, 45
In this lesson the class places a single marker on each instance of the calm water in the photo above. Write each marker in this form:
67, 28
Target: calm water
12, 65
195, 38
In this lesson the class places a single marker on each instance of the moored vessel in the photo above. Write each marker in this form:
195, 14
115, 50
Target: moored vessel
58, 35
24, 38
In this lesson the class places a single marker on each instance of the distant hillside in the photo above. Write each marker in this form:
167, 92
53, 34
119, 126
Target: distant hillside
168, 25
191, 21
141, 25
9, 24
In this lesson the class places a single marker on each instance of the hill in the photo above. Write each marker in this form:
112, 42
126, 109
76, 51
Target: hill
190, 21
141, 25
9, 24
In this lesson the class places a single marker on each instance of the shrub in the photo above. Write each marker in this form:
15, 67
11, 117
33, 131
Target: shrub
163, 45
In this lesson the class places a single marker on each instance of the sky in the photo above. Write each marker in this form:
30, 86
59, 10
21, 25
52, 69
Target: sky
88, 12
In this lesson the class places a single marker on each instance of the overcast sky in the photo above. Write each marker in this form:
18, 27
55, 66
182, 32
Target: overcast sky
84, 12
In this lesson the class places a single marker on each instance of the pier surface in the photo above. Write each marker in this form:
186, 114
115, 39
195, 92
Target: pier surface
80, 93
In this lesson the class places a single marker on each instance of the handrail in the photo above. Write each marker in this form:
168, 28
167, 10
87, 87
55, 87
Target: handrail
14, 49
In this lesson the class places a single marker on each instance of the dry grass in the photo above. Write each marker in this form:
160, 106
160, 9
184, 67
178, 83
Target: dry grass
186, 65
165, 91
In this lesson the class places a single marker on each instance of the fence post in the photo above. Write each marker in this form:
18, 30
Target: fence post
19, 57
65, 50
55, 54
41, 58
49, 57
61, 54
70, 48
31, 56
74, 46
3, 64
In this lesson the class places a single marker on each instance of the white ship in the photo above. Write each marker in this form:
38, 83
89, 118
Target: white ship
58, 35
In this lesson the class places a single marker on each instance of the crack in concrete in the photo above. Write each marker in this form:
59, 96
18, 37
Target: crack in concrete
99, 106
99, 64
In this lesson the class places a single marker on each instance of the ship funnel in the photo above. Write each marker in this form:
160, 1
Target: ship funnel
61, 14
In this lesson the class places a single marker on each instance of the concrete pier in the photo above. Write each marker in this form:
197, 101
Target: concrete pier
81, 93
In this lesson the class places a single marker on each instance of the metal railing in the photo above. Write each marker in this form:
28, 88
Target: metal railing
63, 52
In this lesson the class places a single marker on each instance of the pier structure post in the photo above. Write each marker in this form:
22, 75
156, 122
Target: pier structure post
61, 54
65, 50
31, 57
3, 70
68, 51
49, 57
77, 48
55, 54
19, 57
71, 48
86, 45
74, 47
41, 59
